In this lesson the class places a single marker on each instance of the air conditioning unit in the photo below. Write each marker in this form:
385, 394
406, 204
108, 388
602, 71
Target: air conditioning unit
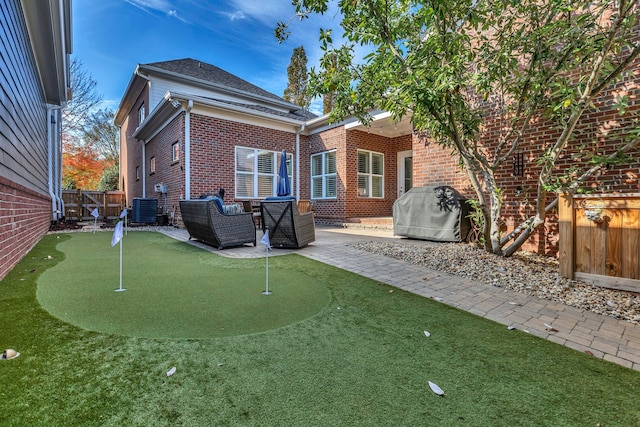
161, 188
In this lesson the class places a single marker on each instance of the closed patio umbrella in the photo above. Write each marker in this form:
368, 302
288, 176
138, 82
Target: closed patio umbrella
284, 187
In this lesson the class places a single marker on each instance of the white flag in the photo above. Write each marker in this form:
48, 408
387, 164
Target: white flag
117, 234
265, 239
124, 213
95, 213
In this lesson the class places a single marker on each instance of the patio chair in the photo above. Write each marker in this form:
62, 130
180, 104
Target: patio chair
205, 221
246, 204
288, 228
305, 206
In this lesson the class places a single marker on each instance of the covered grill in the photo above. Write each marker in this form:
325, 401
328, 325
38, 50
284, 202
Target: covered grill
438, 213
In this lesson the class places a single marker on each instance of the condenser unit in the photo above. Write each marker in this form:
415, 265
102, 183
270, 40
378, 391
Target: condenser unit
144, 210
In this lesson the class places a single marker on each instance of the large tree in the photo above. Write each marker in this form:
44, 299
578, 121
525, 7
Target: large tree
296, 91
84, 99
102, 134
449, 62
89, 138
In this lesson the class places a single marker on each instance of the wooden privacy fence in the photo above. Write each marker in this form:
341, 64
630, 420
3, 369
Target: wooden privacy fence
599, 238
78, 204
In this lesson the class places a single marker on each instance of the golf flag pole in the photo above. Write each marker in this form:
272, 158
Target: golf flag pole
123, 215
265, 241
95, 214
117, 238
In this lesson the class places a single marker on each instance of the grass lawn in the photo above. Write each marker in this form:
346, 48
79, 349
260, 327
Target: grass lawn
353, 354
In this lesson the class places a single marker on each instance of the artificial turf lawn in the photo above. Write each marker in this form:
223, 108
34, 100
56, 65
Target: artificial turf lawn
208, 301
362, 360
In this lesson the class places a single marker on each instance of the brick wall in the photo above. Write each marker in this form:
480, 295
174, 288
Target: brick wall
131, 150
168, 172
599, 132
25, 217
213, 143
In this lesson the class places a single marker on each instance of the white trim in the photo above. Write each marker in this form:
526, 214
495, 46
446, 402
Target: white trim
401, 171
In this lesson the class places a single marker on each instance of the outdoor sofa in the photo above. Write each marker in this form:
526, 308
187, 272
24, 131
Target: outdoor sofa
288, 228
206, 220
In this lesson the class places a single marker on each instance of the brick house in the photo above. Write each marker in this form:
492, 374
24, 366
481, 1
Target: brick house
34, 48
195, 128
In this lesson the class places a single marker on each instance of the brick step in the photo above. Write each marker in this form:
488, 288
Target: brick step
380, 223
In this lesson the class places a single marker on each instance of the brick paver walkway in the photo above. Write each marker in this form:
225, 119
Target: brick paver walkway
607, 338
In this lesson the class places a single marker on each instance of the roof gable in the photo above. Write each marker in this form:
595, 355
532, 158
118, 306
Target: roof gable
215, 76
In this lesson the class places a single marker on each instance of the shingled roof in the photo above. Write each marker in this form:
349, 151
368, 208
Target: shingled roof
210, 73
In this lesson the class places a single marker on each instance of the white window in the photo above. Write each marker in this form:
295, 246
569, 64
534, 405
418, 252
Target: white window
324, 176
137, 173
152, 165
141, 114
175, 151
370, 174
257, 172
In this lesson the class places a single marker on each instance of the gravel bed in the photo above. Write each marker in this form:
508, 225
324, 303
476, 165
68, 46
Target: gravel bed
528, 273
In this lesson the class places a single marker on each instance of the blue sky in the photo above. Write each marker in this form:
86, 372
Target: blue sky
111, 37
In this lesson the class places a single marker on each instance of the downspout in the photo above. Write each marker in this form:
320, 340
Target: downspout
143, 169
50, 124
53, 161
187, 151
57, 183
298, 161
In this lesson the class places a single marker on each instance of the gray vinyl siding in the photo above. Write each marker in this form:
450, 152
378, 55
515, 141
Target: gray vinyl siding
23, 111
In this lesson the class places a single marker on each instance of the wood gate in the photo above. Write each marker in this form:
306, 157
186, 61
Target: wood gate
78, 204
599, 239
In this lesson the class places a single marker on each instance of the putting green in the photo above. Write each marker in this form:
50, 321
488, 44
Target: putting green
173, 290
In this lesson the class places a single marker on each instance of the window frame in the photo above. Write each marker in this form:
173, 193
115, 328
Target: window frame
370, 175
142, 113
175, 152
137, 173
152, 165
256, 174
324, 176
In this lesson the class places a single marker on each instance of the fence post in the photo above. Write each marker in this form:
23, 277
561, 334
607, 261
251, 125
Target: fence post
79, 205
566, 230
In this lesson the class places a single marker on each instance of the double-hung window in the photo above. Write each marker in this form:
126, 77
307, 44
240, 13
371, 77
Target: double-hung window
152, 165
257, 172
323, 175
370, 174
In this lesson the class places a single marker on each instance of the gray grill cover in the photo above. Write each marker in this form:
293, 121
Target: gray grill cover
436, 213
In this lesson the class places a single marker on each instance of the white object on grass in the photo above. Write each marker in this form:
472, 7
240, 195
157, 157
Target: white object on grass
427, 334
171, 371
437, 390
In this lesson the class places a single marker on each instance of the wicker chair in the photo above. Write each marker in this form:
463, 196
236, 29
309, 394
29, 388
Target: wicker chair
204, 221
288, 228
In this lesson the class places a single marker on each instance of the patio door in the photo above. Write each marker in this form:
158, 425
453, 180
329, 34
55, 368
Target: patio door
405, 172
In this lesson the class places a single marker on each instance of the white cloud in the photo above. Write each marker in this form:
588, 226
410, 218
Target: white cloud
266, 12
236, 16
163, 6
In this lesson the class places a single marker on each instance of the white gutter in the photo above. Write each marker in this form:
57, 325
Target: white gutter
187, 151
298, 161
